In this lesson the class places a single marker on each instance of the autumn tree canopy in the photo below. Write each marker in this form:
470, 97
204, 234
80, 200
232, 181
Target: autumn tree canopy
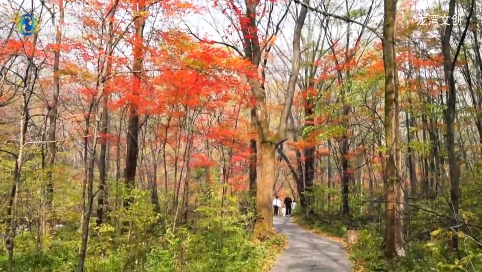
150, 135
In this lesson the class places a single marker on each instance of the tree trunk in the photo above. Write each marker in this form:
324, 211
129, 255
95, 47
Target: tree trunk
89, 181
371, 176
410, 122
185, 204
27, 92
264, 196
52, 127
133, 125
13, 202
309, 152
428, 161
153, 187
329, 173
253, 159
297, 173
90, 157
102, 197
118, 151
300, 184
453, 164
477, 101
104, 129
268, 141
450, 112
345, 177
393, 190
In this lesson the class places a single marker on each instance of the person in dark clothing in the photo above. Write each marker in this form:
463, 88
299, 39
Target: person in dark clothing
287, 203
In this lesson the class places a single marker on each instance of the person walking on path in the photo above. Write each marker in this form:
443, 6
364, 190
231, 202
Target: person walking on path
288, 203
276, 205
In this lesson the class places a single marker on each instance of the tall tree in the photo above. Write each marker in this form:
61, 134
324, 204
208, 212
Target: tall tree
268, 140
393, 183
104, 129
53, 107
450, 111
138, 10
26, 87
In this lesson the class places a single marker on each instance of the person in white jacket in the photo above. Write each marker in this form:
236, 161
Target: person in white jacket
276, 205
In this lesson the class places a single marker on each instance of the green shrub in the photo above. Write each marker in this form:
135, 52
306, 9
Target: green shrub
214, 239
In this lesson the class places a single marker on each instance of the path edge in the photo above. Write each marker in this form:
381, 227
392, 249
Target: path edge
335, 239
271, 258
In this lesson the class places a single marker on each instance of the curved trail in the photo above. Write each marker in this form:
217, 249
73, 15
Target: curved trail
308, 252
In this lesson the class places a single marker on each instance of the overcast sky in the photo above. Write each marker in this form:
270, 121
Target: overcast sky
9, 7
200, 24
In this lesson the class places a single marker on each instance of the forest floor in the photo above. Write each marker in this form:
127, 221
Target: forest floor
307, 251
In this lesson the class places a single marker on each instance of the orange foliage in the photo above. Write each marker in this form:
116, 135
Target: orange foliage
199, 160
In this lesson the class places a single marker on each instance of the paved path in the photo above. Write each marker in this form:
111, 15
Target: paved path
308, 252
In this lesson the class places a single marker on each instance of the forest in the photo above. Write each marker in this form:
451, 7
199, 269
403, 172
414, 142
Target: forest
147, 135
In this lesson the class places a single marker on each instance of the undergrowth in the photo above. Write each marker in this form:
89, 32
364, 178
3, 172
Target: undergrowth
427, 237
211, 239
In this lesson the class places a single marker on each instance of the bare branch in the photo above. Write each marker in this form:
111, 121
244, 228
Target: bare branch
342, 18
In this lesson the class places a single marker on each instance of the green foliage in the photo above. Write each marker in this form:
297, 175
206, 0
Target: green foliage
357, 13
217, 241
331, 132
367, 252
421, 147
427, 244
307, 130
213, 239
